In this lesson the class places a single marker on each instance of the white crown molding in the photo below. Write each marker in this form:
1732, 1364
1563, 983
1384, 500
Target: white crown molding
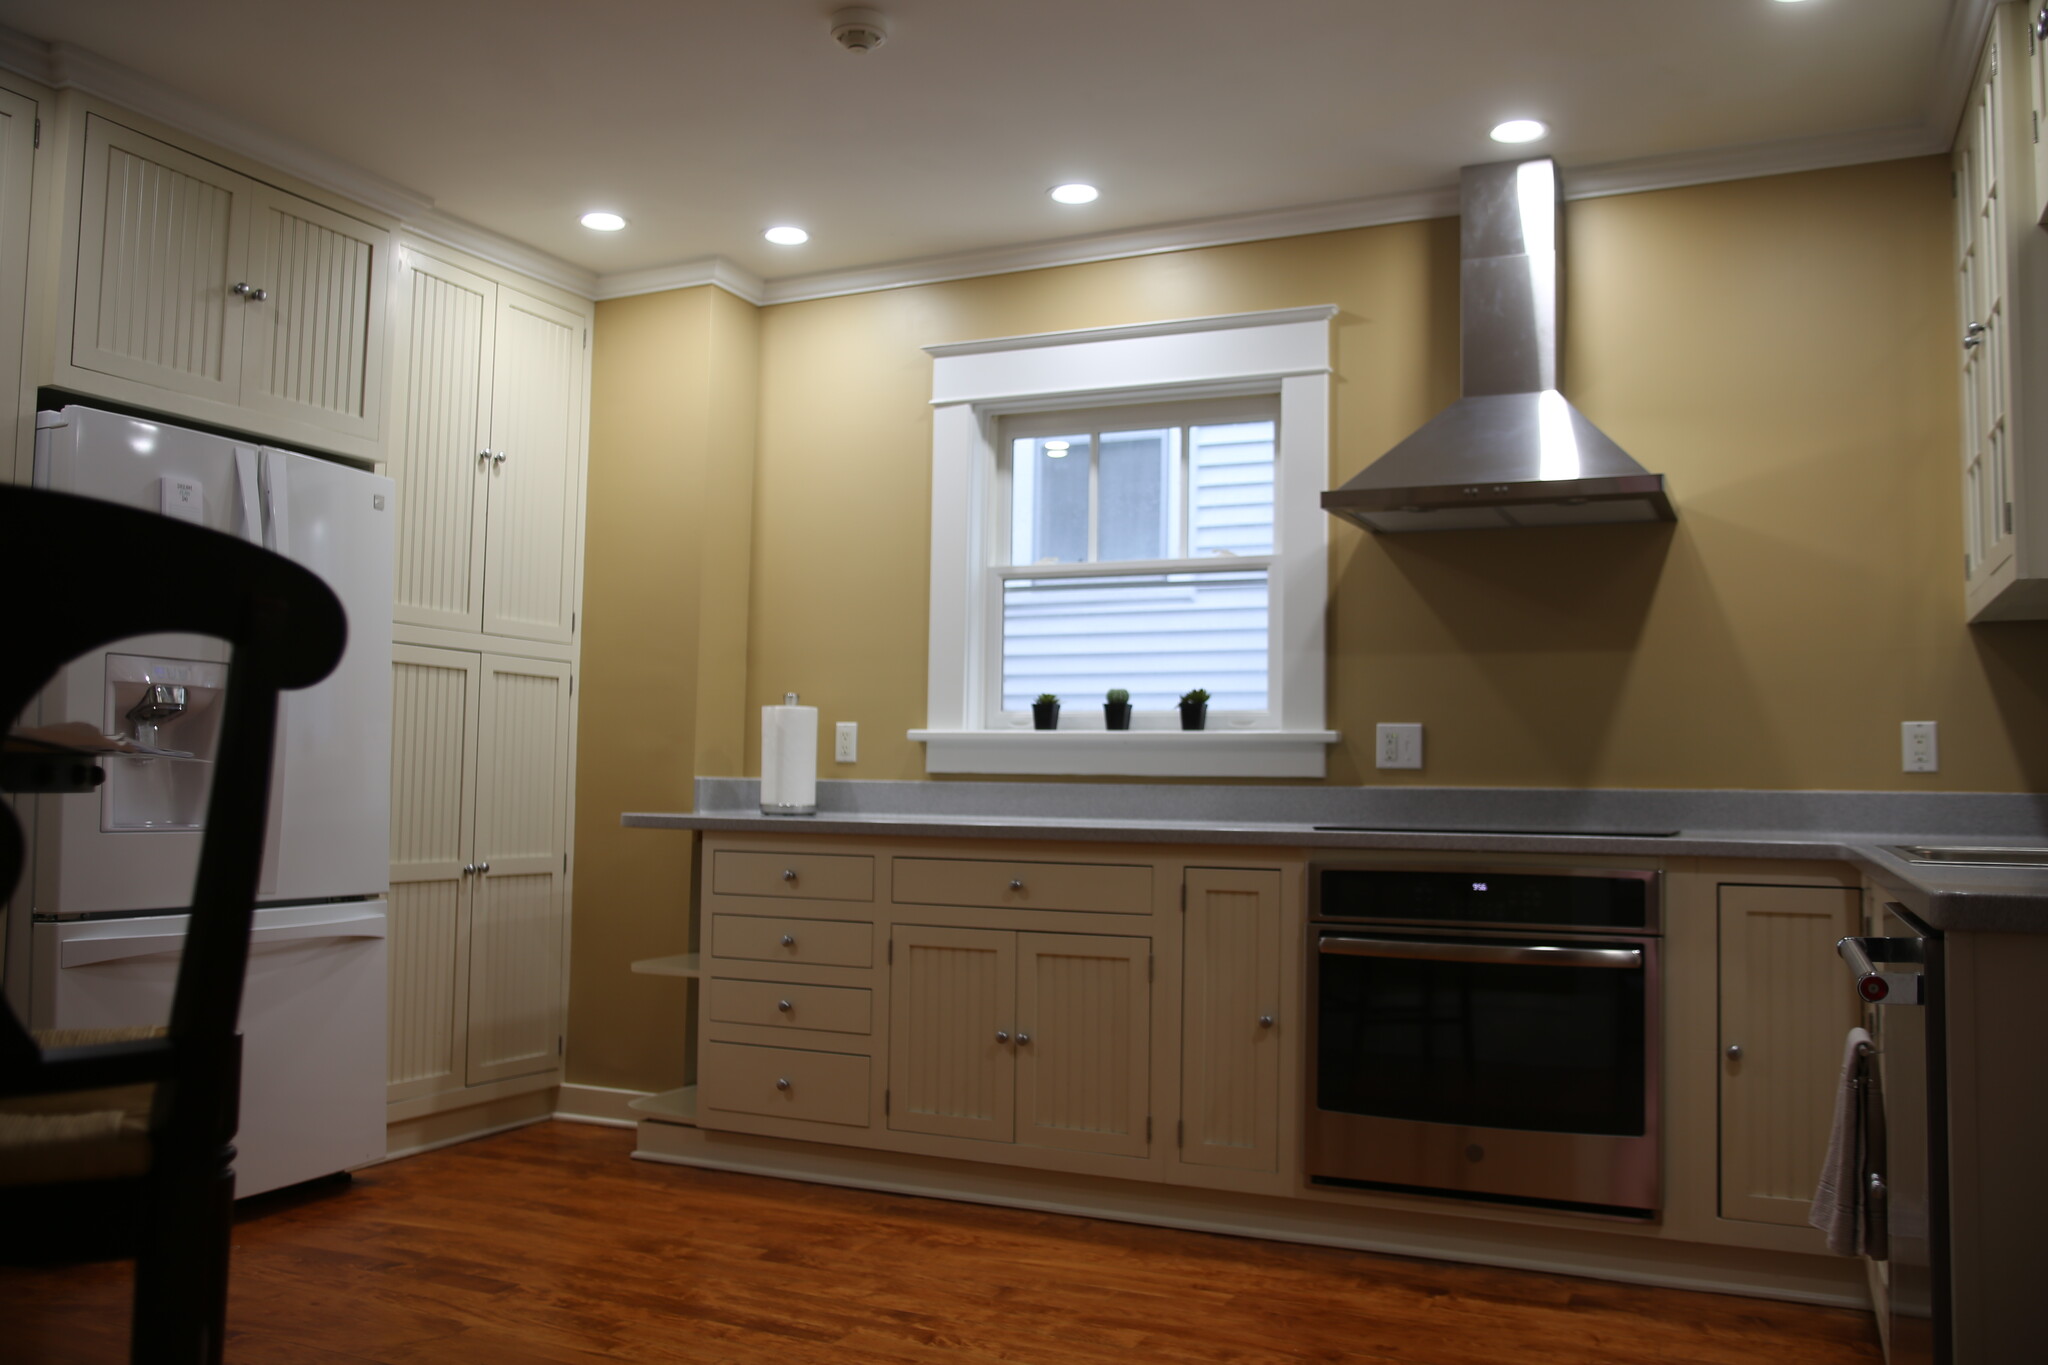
687, 275
1221, 322
1679, 169
64, 67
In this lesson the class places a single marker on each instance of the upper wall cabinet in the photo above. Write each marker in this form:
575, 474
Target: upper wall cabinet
487, 454
2002, 293
2037, 97
204, 292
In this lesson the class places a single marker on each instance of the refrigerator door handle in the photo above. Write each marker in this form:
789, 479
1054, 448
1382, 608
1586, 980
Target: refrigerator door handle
276, 504
84, 952
248, 494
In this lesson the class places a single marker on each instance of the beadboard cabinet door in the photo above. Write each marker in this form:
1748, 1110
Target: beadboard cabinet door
313, 344
1786, 1010
1084, 1043
1983, 184
17, 174
1232, 1025
536, 481
518, 921
953, 1014
440, 456
434, 716
163, 238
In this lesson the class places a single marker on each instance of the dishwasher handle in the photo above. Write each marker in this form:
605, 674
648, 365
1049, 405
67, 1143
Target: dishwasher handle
1864, 955
1500, 954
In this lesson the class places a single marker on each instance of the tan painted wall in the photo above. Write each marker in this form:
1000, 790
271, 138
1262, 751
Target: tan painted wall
1781, 348
673, 402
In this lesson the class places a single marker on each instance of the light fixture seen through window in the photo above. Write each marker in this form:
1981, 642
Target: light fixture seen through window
602, 221
787, 236
1055, 450
1519, 130
1076, 193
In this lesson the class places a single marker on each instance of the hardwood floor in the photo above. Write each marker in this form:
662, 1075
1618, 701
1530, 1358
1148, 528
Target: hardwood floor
549, 1245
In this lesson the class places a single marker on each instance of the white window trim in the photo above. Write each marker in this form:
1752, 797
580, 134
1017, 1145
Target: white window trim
976, 383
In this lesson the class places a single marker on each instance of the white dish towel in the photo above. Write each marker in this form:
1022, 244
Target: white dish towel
1842, 1203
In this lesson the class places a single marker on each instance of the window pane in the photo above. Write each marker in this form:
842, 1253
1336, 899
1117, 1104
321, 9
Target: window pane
1230, 493
1158, 635
1134, 490
1049, 500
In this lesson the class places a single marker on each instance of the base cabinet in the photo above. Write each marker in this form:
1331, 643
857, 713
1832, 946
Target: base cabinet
1786, 1009
1233, 1025
480, 748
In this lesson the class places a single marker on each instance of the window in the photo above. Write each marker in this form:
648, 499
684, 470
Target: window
1179, 499
1137, 508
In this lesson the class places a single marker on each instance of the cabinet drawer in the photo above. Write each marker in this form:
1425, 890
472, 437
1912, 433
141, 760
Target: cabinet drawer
784, 1083
834, 1009
771, 938
811, 876
1098, 888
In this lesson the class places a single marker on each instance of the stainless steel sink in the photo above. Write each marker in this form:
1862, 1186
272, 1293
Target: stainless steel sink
1973, 857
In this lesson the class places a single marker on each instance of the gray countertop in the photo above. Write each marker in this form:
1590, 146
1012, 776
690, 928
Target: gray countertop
1860, 828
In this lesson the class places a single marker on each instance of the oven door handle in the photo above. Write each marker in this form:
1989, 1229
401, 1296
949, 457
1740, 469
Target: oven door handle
1507, 954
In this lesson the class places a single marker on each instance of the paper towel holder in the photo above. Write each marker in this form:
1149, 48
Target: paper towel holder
788, 775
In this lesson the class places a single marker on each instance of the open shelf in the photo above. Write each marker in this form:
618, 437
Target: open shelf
681, 964
670, 1106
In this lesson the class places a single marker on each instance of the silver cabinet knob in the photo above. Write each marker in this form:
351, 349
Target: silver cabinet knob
1016, 883
782, 1082
251, 293
1022, 1038
789, 940
784, 1006
469, 869
1265, 1021
1002, 1036
789, 874
484, 456
1973, 336
483, 868
498, 457
1734, 1052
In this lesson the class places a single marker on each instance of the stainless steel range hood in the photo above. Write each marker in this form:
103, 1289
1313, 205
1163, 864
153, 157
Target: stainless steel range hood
1512, 451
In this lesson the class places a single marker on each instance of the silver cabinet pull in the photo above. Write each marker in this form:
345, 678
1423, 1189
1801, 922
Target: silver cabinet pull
1016, 883
1973, 336
784, 1006
789, 940
782, 1082
485, 456
469, 869
1002, 1036
1265, 1021
1734, 1052
1023, 1038
482, 869
498, 457
789, 874
1513, 955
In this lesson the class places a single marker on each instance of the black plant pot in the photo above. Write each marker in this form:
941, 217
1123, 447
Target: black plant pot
1194, 717
1045, 715
1116, 715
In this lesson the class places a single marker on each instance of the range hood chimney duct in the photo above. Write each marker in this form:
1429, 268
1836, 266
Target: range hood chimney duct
1511, 451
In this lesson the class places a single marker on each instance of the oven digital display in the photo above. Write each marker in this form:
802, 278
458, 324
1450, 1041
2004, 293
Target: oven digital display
1561, 900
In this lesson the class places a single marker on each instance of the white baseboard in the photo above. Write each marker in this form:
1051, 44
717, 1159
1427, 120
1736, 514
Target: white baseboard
1837, 1282
603, 1105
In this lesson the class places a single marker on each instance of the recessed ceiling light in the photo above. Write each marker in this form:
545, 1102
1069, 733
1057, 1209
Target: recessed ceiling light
787, 236
1075, 193
1519, 130
602, 221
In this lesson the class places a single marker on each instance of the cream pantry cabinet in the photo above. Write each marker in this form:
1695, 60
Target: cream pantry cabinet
1234, 1024
488, 453
2002, 293
204, 292
1041, 1039
1786, 1009
479, 830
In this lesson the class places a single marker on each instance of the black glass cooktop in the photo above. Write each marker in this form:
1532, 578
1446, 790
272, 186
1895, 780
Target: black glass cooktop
1462, 829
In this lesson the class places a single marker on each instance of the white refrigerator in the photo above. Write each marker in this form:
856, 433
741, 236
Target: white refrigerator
112, 870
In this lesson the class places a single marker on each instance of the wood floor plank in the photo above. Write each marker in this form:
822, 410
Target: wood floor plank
549, 1246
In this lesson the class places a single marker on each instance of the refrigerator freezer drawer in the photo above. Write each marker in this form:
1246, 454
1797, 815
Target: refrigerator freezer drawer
313, 1024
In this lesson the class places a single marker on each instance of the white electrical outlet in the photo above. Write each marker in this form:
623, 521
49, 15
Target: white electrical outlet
846, 742
1398, 746
1919, 750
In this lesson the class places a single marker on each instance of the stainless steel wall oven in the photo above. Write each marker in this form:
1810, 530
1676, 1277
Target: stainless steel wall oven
1486, 1033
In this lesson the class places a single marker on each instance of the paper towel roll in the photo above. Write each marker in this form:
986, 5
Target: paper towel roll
789, 759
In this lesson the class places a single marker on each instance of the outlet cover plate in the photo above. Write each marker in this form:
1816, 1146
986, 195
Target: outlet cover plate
1919, 747
846, 742
1398, 746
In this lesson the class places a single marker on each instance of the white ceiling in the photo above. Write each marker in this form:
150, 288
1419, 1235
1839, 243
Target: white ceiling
705, 122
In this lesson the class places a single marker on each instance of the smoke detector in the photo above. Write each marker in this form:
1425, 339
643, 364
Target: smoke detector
859, 30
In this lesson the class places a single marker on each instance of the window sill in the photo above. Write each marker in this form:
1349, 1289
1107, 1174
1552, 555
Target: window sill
1128, 753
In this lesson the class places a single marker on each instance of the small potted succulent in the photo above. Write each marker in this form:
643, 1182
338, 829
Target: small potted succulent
1045, 712
1194, 709
1116, 710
